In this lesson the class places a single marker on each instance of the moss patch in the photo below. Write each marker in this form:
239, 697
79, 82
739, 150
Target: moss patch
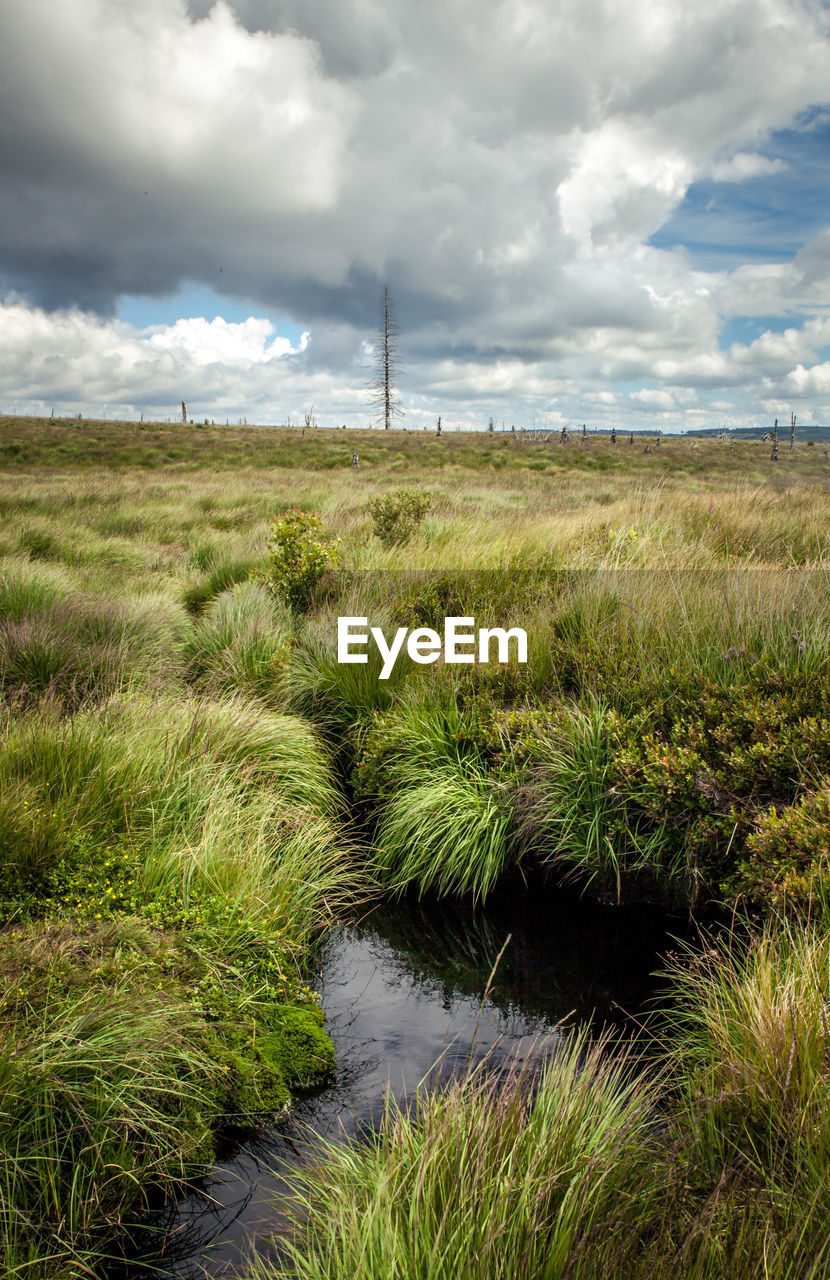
285, 1049
300, 1045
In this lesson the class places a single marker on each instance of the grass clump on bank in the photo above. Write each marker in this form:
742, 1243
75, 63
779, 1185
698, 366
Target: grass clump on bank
167, 864
489, 1178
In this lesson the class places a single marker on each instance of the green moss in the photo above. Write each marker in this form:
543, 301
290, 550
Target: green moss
255, 1084
299, 1043
285, 1048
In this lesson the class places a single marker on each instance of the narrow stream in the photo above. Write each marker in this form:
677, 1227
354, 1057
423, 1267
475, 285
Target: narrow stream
402, 988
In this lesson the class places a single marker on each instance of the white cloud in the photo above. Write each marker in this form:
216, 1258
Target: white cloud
745, 164
624, 181
80, 360
217, 342
501, 162
807, 382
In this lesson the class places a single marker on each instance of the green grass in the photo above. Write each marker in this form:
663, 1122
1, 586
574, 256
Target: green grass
98, 1101
573, 816
489, 1178
706, 1160
240, 644
205, 833
449, 833
752, 1034
178, 750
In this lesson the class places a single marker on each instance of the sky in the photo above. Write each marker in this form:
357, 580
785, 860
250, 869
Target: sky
584, 210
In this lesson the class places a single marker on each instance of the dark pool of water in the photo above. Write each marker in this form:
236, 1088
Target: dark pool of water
403, 988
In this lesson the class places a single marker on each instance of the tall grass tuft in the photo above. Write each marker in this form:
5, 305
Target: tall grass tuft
76, 649
449, 833
748, 1048
490, 1179
221, 572
572, 815
241, 643
162, 777
445, 817
751, 1031
336, 696
97, 1102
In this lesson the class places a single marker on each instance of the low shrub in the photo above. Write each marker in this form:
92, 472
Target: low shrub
787, 860
397, 515
299, 553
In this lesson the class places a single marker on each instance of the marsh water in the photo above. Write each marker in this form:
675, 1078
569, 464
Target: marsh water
405, 987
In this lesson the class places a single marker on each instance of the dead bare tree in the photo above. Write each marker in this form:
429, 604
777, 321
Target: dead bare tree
792, 431
385, 400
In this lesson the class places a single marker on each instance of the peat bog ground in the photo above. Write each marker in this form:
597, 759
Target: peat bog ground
198, 802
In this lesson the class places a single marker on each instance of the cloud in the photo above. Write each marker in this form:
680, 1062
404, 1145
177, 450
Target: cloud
808, 382
650, 398
501, 163
745, 164
83, 360
216, 342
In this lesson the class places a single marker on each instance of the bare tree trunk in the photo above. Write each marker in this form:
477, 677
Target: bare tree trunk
385, 398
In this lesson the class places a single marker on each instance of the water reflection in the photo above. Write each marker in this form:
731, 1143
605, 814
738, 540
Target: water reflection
403, 989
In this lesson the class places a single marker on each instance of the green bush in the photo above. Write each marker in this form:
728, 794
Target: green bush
788, 855
299, 553
396, 515
724, 758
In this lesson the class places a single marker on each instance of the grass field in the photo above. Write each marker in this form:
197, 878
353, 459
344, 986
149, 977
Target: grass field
192, 788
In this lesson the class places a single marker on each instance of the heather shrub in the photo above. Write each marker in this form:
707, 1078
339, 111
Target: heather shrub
787, 860
299, 553
397, 515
